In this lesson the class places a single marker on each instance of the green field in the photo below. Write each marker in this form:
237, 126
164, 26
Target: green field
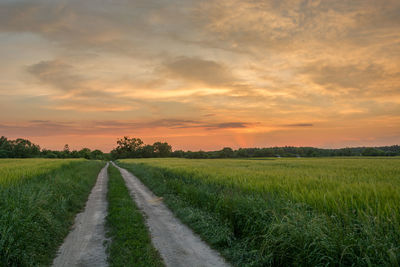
15, 170
39, 199
256, 212
322, 211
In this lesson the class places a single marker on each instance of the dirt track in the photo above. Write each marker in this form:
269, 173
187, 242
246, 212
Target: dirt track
84, 244
177, 244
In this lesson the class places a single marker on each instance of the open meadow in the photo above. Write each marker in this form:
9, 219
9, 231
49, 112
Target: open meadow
292, 211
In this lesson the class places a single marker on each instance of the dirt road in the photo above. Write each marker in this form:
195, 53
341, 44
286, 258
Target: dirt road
177, 244
84, 244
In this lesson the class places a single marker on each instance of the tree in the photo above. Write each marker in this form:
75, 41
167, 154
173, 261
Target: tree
162, 149
128, 148
22, 148
74, 154
5, 147
97, 154
226, 152
148, 151
178, 154
66, 152
66, 148
85, 153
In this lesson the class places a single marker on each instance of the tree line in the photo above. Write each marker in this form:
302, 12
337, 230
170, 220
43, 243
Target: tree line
136, 148
289, 151
23, 148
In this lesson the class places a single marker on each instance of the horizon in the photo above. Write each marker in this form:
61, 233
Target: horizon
201, 75
71, 147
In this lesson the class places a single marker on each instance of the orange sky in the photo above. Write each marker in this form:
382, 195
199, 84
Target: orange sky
201, 74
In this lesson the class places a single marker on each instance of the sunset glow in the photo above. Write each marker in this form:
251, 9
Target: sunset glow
200, 74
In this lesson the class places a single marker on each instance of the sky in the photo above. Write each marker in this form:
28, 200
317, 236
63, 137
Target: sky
200, 74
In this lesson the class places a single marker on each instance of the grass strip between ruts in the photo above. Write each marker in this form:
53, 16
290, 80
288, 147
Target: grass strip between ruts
130, 243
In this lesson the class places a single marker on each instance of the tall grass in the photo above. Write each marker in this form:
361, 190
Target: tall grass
36, 213
286, 211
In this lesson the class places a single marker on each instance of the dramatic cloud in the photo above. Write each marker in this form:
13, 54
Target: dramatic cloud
201, 74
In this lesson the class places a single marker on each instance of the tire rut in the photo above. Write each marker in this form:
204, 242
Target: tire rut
176, 243
84, 244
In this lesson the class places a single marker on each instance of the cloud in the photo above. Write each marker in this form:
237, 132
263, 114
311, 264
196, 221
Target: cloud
345, 76
207, 72
246, 26
75, 90
174, 124
299, 125
129, 28
69, 23
217, 126
96, 127
38, 128
167, 123
228, 125
57, 74
257, 26
363, 81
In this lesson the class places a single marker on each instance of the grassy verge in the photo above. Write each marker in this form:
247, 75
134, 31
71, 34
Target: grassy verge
130, 240
35, 216
260, 228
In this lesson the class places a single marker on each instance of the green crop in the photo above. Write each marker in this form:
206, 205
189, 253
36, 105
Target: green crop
39, 199
309, 212
15, 170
